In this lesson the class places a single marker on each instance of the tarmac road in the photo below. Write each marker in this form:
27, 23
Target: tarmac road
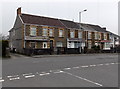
61, 71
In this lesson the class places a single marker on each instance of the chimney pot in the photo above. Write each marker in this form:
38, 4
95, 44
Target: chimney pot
19, 11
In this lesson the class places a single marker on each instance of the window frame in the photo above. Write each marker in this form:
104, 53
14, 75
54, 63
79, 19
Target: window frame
32, 33
60, 33
80, 33
51, 32
72, 35
44, 33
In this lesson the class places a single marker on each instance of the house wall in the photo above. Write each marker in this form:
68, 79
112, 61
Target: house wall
16, 35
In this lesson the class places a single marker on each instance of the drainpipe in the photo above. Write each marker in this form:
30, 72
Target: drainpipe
24, 35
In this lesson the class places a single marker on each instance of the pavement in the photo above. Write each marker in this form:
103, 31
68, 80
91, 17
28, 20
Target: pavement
82, 70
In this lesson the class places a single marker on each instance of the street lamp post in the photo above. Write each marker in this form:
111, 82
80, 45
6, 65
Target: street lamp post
80, 28
80, 14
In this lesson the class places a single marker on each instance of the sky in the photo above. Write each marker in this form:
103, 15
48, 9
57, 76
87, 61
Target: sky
99, 12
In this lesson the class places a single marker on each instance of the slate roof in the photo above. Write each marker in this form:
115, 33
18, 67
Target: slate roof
97, 28
40, 20
70, 24
87, 27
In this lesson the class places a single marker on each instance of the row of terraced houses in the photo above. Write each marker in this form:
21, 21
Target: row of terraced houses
44, 34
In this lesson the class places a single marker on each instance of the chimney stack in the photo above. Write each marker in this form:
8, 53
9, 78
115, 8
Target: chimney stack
19, 11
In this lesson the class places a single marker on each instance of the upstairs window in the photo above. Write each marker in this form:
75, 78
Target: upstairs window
33, 31
45, 32
72, 34
97, 35
61, 33
79, 34
105, 36
89, 35
51, 32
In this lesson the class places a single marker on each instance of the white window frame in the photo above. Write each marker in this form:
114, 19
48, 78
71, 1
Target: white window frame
96, 35
79, 34
89, 35
51, 32
45, 32
61, 33
72, 34
105, 36
45, 44
33, 31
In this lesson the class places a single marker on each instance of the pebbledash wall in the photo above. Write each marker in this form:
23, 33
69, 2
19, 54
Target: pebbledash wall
43, 33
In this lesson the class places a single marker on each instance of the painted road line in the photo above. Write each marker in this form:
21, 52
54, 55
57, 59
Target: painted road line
92, 65
112, 63
107, 64
16, 78
98, 84
29, 76
99, 64
84, 66
2, 80
13, 76
58, 72
44, 74
67, 68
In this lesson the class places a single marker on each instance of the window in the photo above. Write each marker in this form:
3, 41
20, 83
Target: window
32, 31
105, 36
51, 32
59, 44
45, 32
96, 35
72, 34
99, 36
61, 33
44, 44
107, 45
32, 44
79, 34
89, 35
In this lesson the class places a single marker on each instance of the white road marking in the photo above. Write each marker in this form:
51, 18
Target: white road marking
2, 80
92, 65
112, 63
84, 79
29, 76
16, 78
12, 76
58, 72
99, 64
67, 68
84, 66
107, 64
43, 73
